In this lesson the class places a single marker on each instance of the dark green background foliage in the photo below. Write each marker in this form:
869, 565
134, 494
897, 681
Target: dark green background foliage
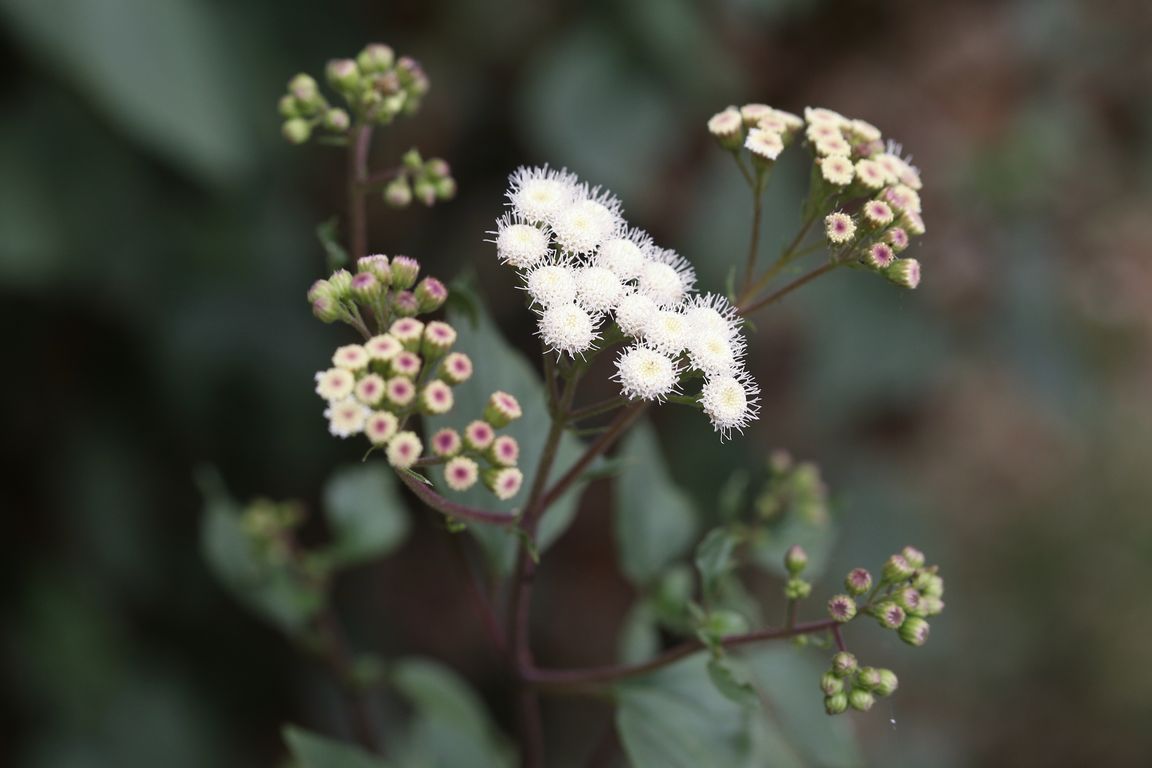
156, 240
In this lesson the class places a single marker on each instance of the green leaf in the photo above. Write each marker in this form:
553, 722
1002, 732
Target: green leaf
654, 520
451, 728
367, 518
731, 679
273, 590
639, 637
313, 751
768, 546
715, 557
328, 233
676, 718
500, 367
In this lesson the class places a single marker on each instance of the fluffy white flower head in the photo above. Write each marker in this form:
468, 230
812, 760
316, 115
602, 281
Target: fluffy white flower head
624, 256
633, 314
520, 244
584, 225
551, 284
568, 328
712, 314
669, 331
716, 354
646, 374
598, 289
667, 278
346, 417
765, 144
335, 383
538, 194
730, 402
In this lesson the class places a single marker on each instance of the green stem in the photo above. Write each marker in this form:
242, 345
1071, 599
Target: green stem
757, 208
596, 409
786, 256
622, 421
452, 508
786, 289
358, 147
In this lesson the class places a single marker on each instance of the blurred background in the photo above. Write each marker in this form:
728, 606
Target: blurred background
156, 241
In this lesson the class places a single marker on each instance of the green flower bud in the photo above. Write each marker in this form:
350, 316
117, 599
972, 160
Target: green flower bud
437, 168
858, 581
425, 191
842, 608
795, 559
413, 161
867, 678
321, 289
431, 294
890, 615
405, 270
343, 75
930, 585
405, 304
897, 569
843, 664
887, 683
397, 193
836, 704
831, 684
445, 188
341, 282
378, 265
376, 58
304, 88
908, 599
904, 272
797, 589
288, 106
327, 310
930, 606
365, 287
914, 557
861, 700
915, 631
337, 120
297, 130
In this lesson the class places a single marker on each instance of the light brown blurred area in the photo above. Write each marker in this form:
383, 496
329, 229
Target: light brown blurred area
151, 283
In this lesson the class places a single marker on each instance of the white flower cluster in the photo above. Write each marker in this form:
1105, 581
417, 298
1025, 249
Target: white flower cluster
586, 270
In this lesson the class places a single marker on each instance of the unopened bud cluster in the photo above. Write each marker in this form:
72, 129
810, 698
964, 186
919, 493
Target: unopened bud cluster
376, 87
426, 181
407, 368
593, 280
847, 684
270, 527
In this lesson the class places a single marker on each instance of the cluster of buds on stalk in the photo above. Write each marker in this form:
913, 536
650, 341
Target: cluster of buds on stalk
867, 194
428, 181
406, 368
376, 87
594, 281
270, 528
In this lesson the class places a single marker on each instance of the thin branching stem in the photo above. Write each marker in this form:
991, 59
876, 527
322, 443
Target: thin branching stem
451, 508
357, 176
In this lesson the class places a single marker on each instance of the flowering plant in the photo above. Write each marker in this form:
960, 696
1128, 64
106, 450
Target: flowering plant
457, 419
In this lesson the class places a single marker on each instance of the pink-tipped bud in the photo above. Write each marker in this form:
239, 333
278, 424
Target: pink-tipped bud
327, 311
504, 482
842, 608
890, 615
376, 58
502, 409
446, 442
408, 331
504, 451
431, 294
343, 75
897, 569
904, 272
915, 631
461, 473
365, 287
456, 368
405, 270
843, 664
337, 120
858, 581
398, 192
378, 265
795, 559
438, 338
478, 436
405, 304
436, 398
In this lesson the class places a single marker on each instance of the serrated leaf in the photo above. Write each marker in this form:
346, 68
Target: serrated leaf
365, 514
654, 520
451, 728
313, 751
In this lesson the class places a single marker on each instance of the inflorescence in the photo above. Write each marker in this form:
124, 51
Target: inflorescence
594, 281
407, 368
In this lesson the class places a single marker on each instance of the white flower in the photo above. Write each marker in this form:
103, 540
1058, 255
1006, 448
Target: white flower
346, 417
821, 116
837, 169
334, 383
407, 331
461, 473
370, 389
598, 289
817, 131
646, 374
715, 354
871, 174
436, 397
726, 125
551, 284
892, 165
584, 225
712, 314
833, 145
669, 331
504, 483
667, 278
382, 347
567, 328
404, 449
520, 244
764, 144
731, 402
538, 194
625, 255
633, 314
351, 357
380, 427
839, 227
864, 130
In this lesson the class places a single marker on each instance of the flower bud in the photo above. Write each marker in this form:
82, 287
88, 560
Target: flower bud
375, 58
436, 398
461, 473
836, 704
795, 559
897, 569
321, 289
343, 74
890, 615
914, 557
438, 338
456, 368
425, 191
843, 664
886, 684
858, 581
930, 606
831, 684
861, 700
297, 130
909, 599
405, 304
337, 120
504, 451
446, 442
431, 294
727, 128
365, 287
377, 264
504, 482
502, 410
413, 161
406, 364
405, 269
842, 608
408, 331
904, 272
303, 88
867, 678
929, 584
400, 392
915, 631
341, 282
288, 107
326, 310
445, 188
404, 449
478, 436
797, 589
897, 238
397, 193
437, 168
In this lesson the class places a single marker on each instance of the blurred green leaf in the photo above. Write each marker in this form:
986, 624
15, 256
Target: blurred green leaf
676, 718
312, 751
715, 557
731, 679
366, 515
159, 69
328, 233
451, 728
654, 520
274, 591
500, 367
639, 637
815, 536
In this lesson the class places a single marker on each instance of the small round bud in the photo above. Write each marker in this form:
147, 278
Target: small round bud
461, 473
867, 678
445, 189
478, 436
431, 294
843, 664
842, 608
858, 581
904, 272
836, 704
727, 128
326, 310
337, 120
456, 368
343, 74
437, 168
897, 569
405, 304
930, 606
861, 700
795, 559
297, 130
909, 599
406, 364
377, 264
398, 193
886, 684
797, 589
929, 584
400, 392
504, 482
303, 87
446, 442
438, 338
915, 631
288, 107
408, 331
502, 409
375, 58
341, 282
405, 270
504, 451
365, 287
321, 289
425, 191
831, 684
890, 615
914, 557
436, 398
412, 160
404, 449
